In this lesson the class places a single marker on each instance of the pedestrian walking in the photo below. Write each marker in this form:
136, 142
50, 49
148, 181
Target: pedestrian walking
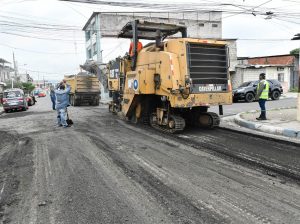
53, 97
262, 95
62, 102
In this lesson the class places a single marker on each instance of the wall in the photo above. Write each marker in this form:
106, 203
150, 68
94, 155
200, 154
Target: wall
232, 54
5, 74
200, 25
204, 25
272, 73
245, 75
251, 74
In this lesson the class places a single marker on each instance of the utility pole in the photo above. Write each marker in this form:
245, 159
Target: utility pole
15, 66
297, 37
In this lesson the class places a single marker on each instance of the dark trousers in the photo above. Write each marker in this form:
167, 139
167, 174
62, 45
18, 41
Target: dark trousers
262, 105
53, 102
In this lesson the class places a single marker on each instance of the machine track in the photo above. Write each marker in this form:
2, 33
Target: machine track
179, 125
214, 120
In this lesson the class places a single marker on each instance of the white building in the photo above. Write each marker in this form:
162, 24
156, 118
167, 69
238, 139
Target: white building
6, 72
283, 68
199, 25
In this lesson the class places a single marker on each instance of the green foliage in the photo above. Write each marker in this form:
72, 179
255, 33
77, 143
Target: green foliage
26, 86
295, 51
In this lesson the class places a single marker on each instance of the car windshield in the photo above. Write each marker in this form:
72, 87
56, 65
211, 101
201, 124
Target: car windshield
12, 94
245, 84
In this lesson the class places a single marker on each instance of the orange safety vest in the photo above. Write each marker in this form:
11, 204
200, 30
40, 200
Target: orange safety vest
139, 48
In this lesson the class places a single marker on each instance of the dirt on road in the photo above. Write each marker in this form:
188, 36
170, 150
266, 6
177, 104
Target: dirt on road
104, 170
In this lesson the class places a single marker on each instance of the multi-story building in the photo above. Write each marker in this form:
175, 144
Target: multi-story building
199, 25
6, 72
24, 78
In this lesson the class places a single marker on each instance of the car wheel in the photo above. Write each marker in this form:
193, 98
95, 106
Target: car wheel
24, 108
275, 95
249, 97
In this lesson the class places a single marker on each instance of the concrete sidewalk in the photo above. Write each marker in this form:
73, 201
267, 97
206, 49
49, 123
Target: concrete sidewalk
280, 122
289, 95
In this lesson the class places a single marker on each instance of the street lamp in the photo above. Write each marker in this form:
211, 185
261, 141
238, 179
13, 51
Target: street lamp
297, 37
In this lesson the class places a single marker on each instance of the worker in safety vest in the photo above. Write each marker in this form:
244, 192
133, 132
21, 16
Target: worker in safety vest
262, 95
139, 48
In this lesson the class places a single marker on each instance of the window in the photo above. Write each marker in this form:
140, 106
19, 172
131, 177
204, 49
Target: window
280, 68
214, 25
93, 28
12, 94
87, 35
94, 48
281, 77
89, 53
201, 24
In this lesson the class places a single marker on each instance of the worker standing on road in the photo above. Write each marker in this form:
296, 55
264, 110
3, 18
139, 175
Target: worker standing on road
131, 48
262, 95
52, 96
62, 102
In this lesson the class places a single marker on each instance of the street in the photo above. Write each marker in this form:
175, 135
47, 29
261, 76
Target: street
243, 106
106, 170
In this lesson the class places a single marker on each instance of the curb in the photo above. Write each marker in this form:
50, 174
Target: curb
266, 128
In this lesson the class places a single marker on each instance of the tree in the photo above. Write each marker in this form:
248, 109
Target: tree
295, 51
28, 86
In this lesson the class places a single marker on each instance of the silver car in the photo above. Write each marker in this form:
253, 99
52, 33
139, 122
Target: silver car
14, 99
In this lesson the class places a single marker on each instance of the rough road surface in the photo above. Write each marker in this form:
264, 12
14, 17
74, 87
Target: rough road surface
104, 170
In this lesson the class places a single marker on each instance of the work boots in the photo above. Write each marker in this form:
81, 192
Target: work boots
262, 116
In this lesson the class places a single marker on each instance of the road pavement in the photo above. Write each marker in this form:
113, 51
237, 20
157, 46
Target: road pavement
105, 170
240, 107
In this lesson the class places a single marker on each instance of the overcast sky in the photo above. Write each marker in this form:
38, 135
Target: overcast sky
64, 53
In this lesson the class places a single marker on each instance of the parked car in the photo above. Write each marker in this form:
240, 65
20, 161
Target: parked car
14, 99
42, 94
247, 91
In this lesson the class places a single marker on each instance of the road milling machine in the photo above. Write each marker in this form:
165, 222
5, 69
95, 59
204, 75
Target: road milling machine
170, 82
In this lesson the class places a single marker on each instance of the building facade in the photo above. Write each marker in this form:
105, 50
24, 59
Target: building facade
199, 25
6, 72
283, 68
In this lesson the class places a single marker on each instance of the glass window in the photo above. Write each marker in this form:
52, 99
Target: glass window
12, 94
94, 48
280, 68
93, 28
281, 77
90, 53
87, 35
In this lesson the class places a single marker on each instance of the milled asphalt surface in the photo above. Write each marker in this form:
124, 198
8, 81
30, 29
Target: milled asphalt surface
104, 170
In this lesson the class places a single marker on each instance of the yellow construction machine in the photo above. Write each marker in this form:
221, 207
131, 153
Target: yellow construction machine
170, 83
